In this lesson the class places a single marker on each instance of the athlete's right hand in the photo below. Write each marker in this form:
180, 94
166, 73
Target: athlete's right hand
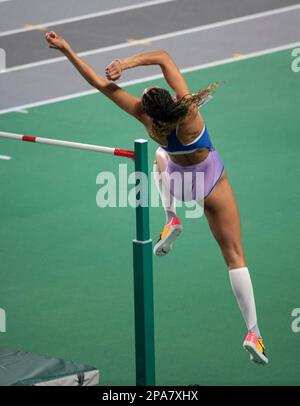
56, 41
114, 70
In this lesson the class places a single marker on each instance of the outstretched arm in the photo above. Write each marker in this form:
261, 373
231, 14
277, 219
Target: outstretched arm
124, 100
169, 69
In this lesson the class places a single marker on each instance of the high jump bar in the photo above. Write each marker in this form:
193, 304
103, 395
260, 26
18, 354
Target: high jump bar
69, 144
142, 253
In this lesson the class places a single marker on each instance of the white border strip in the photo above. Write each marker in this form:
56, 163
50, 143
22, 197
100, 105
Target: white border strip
5, 157
87, 16
158, 37
154, 77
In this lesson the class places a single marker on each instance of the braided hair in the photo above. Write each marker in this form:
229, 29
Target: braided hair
166, 112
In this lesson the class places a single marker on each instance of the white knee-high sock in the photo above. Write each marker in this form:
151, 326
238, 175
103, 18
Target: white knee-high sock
242, 288
168, 201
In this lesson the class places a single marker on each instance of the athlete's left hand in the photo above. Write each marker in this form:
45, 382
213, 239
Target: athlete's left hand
114, 70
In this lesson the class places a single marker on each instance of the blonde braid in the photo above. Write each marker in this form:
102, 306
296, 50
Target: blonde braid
200, 97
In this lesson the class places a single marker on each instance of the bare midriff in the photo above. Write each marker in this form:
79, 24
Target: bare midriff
193, 158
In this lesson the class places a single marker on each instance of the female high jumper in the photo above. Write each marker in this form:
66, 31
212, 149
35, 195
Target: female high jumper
174, 122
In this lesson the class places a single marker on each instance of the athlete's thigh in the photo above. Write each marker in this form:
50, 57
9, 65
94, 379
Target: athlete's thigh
223, 216
162, 158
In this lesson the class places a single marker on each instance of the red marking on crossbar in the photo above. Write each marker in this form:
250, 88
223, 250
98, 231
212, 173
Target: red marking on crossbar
28, 138
124, 152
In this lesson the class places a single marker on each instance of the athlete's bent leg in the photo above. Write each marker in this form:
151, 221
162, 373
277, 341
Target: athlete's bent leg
173, 226
159, 173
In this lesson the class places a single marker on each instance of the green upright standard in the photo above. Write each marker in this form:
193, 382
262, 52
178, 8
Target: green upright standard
143, 274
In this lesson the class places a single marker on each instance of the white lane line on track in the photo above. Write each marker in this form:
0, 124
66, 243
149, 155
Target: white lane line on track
5, 157
158, 37
23, 111
88, 16
154, 77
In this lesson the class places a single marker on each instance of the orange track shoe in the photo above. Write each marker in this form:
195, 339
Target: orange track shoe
256, 348
170, 232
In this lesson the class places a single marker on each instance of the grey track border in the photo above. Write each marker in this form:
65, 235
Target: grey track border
44, 84
30, 87
29, 47
15, 14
